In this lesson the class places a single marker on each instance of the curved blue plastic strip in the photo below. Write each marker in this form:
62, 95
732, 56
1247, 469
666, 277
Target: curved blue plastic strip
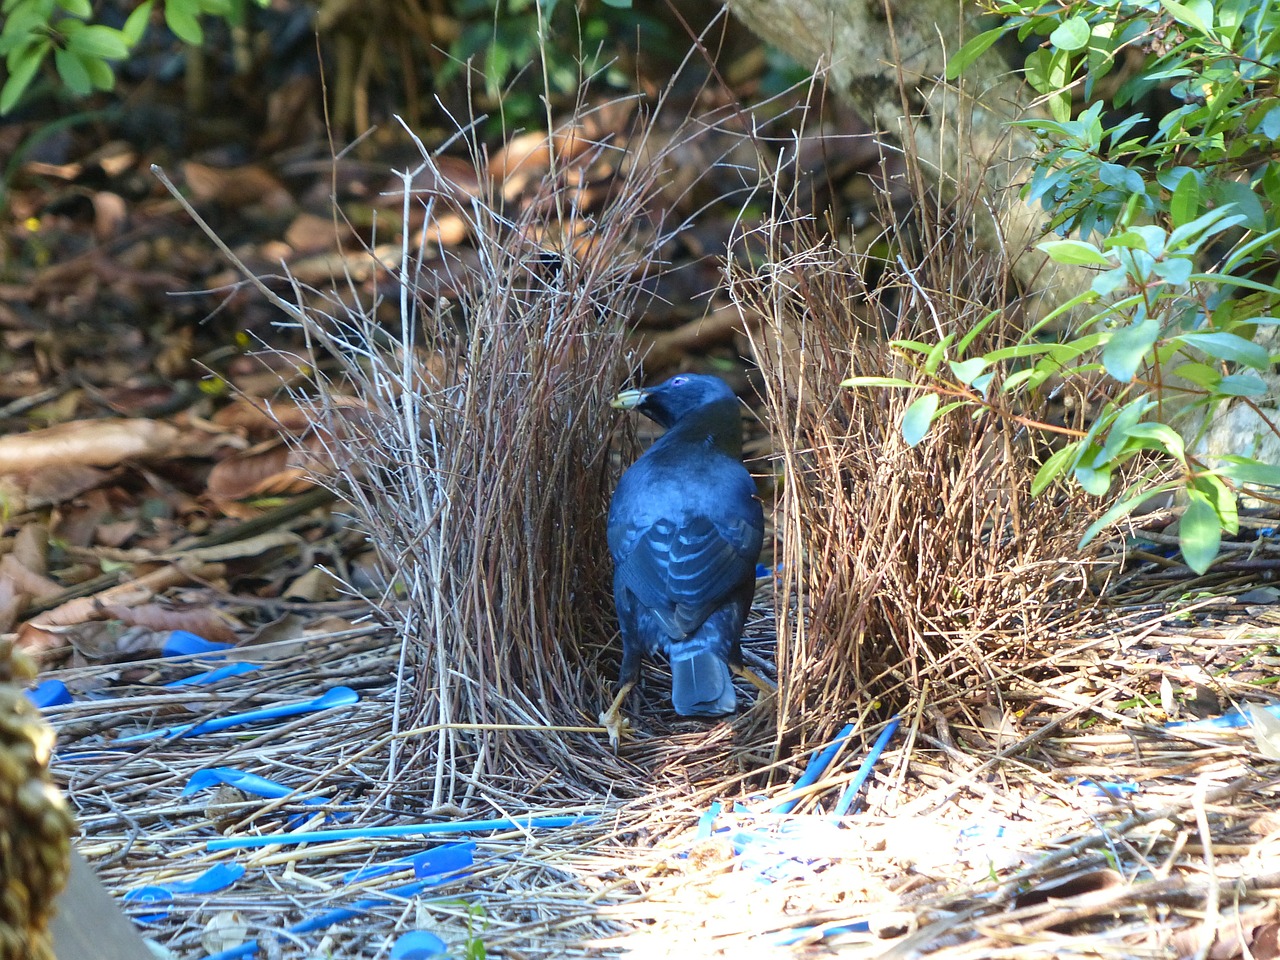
337, 697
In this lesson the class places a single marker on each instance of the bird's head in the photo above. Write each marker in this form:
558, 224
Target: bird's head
671, 400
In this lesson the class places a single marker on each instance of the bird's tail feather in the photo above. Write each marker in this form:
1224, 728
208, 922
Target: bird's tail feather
700, 681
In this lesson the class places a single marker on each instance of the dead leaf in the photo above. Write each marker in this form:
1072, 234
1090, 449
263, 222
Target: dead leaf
97, 443
269, 469
31, 548
39, 635
51, 485
204, 621
237, 187
27, 581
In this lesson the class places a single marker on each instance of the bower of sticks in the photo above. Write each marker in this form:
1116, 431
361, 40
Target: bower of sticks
984, 741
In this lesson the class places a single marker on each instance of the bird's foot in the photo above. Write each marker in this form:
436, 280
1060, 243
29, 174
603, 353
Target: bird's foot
616, 724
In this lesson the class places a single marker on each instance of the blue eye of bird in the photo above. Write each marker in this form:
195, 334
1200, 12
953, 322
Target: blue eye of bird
677, 381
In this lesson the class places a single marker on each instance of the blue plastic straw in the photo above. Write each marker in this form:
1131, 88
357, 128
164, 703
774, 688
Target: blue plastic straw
337, 697
399, 830
818, 764
851, 791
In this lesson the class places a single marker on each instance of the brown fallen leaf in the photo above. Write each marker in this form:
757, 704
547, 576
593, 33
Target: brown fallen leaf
25, 580
269, 469
39, 636
97, 443
47, 486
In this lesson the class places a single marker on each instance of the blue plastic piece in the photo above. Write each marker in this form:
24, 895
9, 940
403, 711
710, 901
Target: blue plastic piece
851, 791
182, 642
49, 693
436, 863
793, 936
337, 697
218, 877
818, 763
1106, 788
1233, 719
213, 676
418, 945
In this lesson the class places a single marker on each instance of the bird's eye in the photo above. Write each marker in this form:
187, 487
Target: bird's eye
677, 381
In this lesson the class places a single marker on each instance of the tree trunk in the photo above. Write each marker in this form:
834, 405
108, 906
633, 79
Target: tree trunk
883, 54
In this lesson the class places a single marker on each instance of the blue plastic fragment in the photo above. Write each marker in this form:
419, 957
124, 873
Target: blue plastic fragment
213, 676
418, 945
795, 935
49, 693
182, 642
707, 822
818, 763
218, 877
436, 863
1101, 788
851, 791
337, 697
1233, 719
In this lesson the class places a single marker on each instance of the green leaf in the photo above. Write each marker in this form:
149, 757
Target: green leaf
1229, 346
877, 382
73, 72
1185, 202
963, 344
972, 49
1071, 34
1074, 252
101, 42
1250, 471
1053, 468
22, 69
1127, 350
136, 25
1094, 481
1120, 509
77, 8
1242, 385
1199, 533
1201, 374
917, 418
936, 355
183, 19
966, 371
1164, 436
1197, 14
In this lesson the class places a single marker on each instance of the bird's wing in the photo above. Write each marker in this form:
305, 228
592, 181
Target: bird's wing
682, 572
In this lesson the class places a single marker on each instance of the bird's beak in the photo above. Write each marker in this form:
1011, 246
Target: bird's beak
629, 399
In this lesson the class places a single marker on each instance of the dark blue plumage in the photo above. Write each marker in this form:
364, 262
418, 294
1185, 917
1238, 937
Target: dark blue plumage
685, 529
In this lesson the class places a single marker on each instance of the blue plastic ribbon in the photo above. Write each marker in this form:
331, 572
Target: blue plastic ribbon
337, 697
